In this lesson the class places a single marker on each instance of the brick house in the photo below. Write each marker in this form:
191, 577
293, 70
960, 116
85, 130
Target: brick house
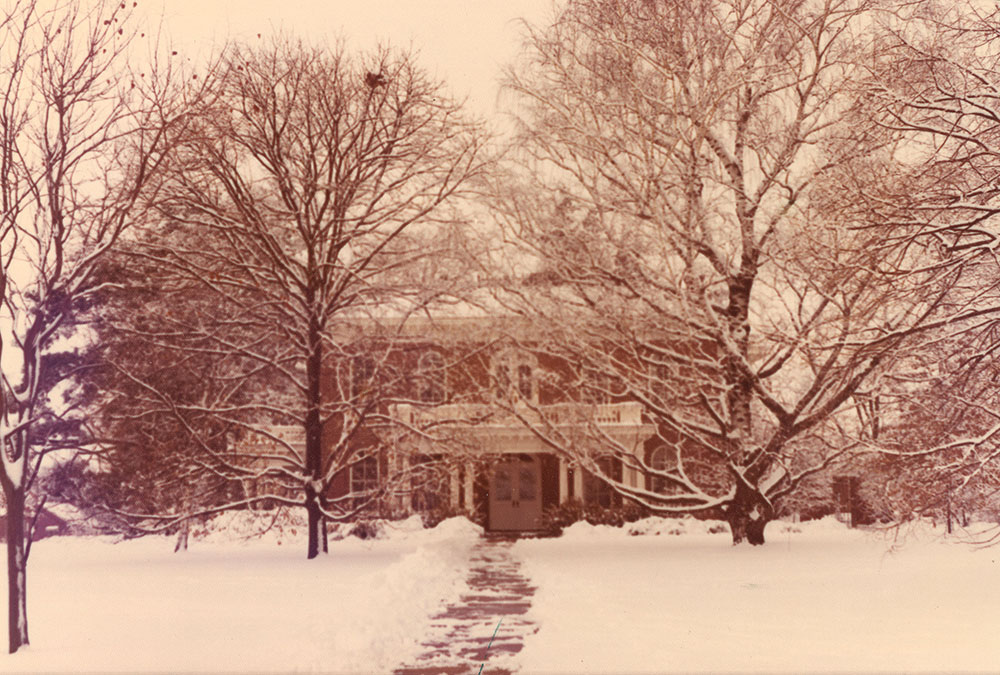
464, 436
463, 428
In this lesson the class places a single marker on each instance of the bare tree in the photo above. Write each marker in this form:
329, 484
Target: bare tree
78, 140
312, 209
151, 459
940, 89
943, 93
705, 233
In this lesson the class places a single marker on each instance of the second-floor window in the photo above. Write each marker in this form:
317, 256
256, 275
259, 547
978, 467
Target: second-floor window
601, 386
502, 383
525, 381
363, 368
431, 380
514, 375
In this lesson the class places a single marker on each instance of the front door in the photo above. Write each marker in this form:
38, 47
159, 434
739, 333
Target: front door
516, 494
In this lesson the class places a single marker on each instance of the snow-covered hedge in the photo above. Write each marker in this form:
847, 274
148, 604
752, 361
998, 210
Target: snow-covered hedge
282, 526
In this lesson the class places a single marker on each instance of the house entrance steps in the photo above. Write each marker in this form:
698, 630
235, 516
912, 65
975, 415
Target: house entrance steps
486, 628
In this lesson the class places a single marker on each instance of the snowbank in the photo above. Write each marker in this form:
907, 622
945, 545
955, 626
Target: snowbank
401, 598
239, 605
284, 527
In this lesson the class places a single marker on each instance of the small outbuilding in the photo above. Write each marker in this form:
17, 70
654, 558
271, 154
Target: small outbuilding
47, 524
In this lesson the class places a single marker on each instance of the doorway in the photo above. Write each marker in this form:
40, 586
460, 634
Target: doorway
516, 494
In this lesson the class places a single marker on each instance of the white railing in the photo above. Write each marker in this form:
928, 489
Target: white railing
274, 435
604, 414
270, 444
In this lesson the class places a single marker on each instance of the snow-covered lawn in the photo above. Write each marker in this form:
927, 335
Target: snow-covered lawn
237, 606
824, 598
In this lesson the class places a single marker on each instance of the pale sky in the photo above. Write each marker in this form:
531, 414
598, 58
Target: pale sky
464, 42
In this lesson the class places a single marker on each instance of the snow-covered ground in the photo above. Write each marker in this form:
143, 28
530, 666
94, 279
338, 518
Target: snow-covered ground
243, 605
817, 597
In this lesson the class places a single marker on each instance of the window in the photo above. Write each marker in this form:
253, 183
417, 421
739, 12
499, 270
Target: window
503, 486
431, 378
663, 377
597, 491
659, 460
525, 381
514, 376
364, 477
361, 381
502, 380
430, 483
602, 387
526, 489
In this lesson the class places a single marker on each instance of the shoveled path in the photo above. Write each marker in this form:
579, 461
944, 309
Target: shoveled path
461, 638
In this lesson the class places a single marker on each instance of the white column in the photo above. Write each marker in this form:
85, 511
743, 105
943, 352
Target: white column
469, 487
453, 488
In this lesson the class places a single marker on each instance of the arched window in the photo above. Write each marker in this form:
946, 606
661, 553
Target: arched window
660, 460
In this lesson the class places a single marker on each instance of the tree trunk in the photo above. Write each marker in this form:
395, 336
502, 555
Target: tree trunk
182, 537
325, 542
17, 567
747, 517
314, 432
315, 521
746, 513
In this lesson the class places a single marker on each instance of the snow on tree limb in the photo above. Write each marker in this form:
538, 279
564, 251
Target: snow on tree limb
713, 224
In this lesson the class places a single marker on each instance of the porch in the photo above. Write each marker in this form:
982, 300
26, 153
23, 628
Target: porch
502, 465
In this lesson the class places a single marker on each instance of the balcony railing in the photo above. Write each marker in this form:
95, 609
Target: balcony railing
603, 414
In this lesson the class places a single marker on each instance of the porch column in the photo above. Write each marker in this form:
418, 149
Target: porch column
454, 482
469, 487
563, 481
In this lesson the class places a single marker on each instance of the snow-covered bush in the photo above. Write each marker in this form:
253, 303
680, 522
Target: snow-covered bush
555, 519
656, 525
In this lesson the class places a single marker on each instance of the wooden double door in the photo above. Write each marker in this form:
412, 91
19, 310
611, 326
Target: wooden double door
515, 500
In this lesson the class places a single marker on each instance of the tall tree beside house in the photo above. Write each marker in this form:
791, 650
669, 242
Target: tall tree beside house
79, 137
310, 212
942, 92
708, 234
152, 460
